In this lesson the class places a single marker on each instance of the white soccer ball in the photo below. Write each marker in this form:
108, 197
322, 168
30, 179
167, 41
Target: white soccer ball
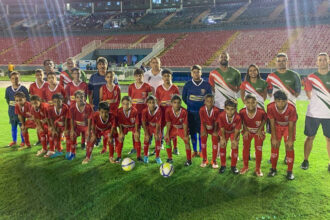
166, 170
127, 164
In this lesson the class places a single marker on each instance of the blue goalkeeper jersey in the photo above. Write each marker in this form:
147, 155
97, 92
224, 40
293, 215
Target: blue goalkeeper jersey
193, 94
10, 97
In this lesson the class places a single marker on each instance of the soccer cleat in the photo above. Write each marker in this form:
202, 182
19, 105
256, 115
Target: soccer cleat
146, 159
304, 165
22, 144
244, 170
103, 151
169, 161
67, 155
272, 172
72, 156
57, 153
204, 163
49, 153
139, 159
284, 161
234, 170
37, 143
176, 151
111, 160
83, 146
188, 163
222, 169
158, 160
133, 151
259, 173
289, 175
195, 154
118, 160
12, 144
40, 152
215, 165
85, 161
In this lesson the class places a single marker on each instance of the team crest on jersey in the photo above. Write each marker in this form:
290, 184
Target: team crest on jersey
286, 118
132, 120
258, 123
203, 91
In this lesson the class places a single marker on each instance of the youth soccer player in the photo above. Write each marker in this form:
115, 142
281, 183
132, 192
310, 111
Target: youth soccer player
75, 85
23, 111
229, 123
164, 94
193, 94
53, 87
177, 125
253, 120
80, 115
151, 123
282, 116
38, 87
110, 92
208, 115
10, 98
128, 121
102, 125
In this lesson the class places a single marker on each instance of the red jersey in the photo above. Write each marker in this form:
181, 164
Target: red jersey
127, 120
164, 95
282, 119
229, 127
101, 125
71, 88
139, 95
25, 111
209, 119
42, 113
36, 90
58, 117
80, 118
177, 120
48, 93
253, 123
111, 96
152, 119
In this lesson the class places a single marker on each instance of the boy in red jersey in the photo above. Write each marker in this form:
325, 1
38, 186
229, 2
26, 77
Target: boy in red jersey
110, 92
177, 125
151, 123
208, 115
128, 120
139, 92
253, 120
57, 124
23, 110
52, 88
38, 87
282, 116
80, 115
102, 125
74, 85
229, 123
39, 112
164, 94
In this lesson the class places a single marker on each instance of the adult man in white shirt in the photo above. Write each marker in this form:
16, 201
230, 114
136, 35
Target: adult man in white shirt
153, 76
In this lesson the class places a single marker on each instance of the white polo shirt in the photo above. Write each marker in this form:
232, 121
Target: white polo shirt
153, 80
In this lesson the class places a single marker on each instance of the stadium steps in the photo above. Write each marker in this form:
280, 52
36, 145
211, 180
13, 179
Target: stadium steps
202, 15
285, 47
139, 41
44, 52
221, 49
323, 8
162, 22
13, 46
240, 11
172, 45
277, 11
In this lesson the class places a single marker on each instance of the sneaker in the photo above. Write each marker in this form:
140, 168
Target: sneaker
139, 159
40, 152
188, 163
176, 151
222, 169
12, 144
67, 155
57, 153
72, 156
234, 170
133, 151
304, 165
146, 159
49, 153
215, 165
22, 144
195, 154
244, 170
259, 173
104, 150
85, 161
118, 160
37, 143
272, 172
284, 161
169, 161
83, 146
111, 160
158, 160
203, 164
289, 175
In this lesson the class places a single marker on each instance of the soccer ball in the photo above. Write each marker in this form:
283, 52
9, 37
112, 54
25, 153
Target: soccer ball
127, 164
166, 170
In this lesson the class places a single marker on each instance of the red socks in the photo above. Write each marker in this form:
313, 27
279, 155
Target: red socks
223, 156
137, 146
258, 156
234, 155
274, 157
89, 150
175, 142
119, 148
188, 153
214, 148
146, 148
204, 146
169, 153
158, 147
246, 154
290, 159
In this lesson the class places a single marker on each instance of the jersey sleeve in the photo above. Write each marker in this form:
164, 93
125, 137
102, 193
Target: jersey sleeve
130, 90
201, 115
269, 84
159, 117
26, 93
238, 79
270, 113
297, 84
242, 86
185, 93
157, 94
211, 79
307, 84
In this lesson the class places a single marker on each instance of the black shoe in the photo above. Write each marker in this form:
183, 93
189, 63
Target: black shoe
133, 151
272, 172
139, 159
175, 151
83, 146
153, 153
37, 143
222, 169
188, 163
118, 160
169, 161
304, 165
234, 170
284, 161
289, 175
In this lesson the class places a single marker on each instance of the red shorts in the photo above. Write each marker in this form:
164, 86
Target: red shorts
231, 136
152, 130
207, 131
283, 131
174, 132
126, 130
29, 124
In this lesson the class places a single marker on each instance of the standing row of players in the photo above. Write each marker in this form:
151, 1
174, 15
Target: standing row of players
195, 92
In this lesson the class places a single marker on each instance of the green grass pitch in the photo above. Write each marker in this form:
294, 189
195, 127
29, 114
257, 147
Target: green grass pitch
40, 188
